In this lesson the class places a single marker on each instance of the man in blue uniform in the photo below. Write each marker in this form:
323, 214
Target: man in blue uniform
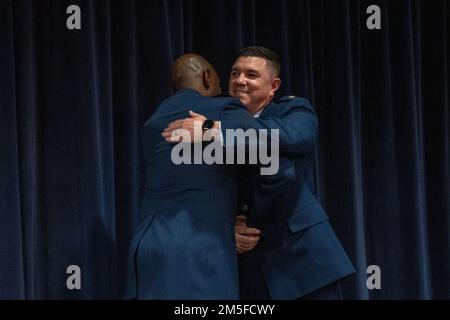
183, 247
299, 254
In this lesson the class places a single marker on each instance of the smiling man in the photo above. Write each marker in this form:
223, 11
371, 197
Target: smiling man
254, 80
299, 255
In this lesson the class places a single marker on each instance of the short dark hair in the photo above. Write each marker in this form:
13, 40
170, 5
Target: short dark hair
256, 51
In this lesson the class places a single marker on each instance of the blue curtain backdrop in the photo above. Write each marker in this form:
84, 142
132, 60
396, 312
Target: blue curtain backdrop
73, 101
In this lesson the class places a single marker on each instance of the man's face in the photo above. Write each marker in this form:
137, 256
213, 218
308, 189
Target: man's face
253, 82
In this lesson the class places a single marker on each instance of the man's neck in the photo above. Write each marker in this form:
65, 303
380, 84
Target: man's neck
260, 109
199, 89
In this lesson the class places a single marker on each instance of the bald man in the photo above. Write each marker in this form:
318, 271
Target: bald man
183, 247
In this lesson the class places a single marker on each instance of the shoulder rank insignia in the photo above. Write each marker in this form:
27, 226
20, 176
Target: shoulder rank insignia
287, 98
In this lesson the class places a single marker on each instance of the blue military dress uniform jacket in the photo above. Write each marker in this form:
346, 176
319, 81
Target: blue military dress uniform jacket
299, 251
183, 247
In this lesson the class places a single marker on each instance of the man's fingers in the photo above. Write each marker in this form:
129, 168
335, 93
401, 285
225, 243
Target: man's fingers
166, 134
247, 230
245, 246
243, 249
174, 125
178, 124
241, 220
246, 241
171, 136
192, 114
245, 237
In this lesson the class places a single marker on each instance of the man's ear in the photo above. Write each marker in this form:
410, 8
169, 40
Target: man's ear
276, 83
206, 79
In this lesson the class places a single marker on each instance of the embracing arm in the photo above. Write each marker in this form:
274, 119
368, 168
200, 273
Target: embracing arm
297, 125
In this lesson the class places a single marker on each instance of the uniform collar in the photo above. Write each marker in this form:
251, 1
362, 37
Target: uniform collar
267, 110
257, 114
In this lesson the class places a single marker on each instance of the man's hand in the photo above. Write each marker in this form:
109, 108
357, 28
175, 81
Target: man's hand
246, 238
183, 128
